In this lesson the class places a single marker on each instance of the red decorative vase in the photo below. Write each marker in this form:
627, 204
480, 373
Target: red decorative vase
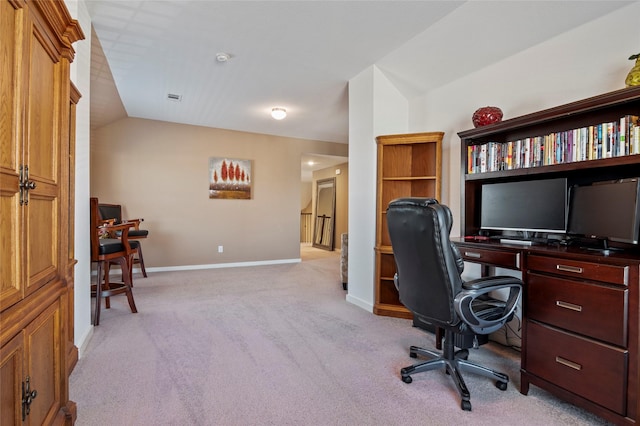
486, 115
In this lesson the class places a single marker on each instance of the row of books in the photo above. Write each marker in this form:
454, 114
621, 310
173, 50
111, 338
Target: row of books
606, 140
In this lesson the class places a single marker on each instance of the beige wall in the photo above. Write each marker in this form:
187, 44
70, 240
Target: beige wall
159, 171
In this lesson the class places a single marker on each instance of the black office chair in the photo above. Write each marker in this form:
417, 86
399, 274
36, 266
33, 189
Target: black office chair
429, 284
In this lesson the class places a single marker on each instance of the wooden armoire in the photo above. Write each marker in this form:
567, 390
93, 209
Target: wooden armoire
37, 108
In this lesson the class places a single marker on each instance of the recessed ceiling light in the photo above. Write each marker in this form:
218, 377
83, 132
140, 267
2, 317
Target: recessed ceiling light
222, 57
278, 113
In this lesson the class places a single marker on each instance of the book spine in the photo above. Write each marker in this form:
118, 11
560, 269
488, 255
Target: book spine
600, 142
635, 120
608, 136
604, 140
591, 148
615, 134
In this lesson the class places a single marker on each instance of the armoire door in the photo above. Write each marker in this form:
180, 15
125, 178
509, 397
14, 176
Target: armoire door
11, 154
35, 285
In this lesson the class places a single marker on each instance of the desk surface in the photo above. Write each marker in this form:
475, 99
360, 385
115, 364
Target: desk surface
567, 252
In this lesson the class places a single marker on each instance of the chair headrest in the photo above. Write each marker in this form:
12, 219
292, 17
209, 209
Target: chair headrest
424, 202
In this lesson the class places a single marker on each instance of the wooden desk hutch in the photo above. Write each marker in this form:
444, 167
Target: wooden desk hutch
580, 308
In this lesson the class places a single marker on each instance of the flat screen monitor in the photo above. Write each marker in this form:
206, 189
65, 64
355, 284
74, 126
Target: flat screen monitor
534, 205
606, 210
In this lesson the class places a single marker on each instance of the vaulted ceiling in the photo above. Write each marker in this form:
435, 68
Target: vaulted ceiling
298, 55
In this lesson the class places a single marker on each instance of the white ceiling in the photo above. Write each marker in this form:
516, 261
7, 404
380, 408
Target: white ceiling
299, 55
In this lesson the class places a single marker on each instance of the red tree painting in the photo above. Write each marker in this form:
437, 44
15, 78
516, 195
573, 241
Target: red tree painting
229, 178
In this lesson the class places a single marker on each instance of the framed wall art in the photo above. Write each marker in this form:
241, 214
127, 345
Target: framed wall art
230, 178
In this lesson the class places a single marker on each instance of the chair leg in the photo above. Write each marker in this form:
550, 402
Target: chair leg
482, 371
141, 260
96, 314
130, 262
126, 278
107, 285
421, 367
128, 270
454, 371
414, 351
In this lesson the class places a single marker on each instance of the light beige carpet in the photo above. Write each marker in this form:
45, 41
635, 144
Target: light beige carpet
279, 345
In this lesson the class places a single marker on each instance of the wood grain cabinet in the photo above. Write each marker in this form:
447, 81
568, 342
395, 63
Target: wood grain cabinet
577, 331
36, 158
409, 165
581, 308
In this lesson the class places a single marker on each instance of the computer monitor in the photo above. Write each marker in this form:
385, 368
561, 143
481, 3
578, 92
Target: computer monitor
530, 206
606, 210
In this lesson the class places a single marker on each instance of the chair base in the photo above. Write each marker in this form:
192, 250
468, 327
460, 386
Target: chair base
105, 288
454, 364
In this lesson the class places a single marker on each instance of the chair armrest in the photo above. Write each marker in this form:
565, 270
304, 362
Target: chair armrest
480, 287
495, 281
122, 231
136, 222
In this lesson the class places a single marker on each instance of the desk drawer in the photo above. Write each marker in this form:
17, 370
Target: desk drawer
613, 274
592, 370
504, 259
590, 309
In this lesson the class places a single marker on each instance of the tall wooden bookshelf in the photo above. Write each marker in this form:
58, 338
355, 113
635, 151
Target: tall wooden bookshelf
409, 165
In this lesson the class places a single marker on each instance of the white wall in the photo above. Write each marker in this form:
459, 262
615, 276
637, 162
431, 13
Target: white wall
81, 77
376, 108
587, 61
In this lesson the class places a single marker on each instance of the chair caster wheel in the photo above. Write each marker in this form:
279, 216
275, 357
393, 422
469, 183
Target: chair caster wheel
501, 385
407, 379
413, 355
465, 405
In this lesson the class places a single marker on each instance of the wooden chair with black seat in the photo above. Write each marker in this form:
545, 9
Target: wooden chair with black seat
108, 250
114, 211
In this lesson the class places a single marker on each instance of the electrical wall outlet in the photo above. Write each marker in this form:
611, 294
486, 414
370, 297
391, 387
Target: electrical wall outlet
220, 249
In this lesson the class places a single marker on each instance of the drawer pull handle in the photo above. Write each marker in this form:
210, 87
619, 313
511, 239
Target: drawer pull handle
568, 305
472, 254
566, 268
568, 363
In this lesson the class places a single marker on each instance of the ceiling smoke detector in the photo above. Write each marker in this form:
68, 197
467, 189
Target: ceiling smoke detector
222, 57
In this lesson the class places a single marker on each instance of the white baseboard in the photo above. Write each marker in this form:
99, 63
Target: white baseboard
222, 265
84, 341
359, 303
208, 266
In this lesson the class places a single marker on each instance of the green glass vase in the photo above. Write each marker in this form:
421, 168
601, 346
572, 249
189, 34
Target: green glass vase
633, 78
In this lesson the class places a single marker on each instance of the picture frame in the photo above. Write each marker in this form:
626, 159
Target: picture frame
230, 178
